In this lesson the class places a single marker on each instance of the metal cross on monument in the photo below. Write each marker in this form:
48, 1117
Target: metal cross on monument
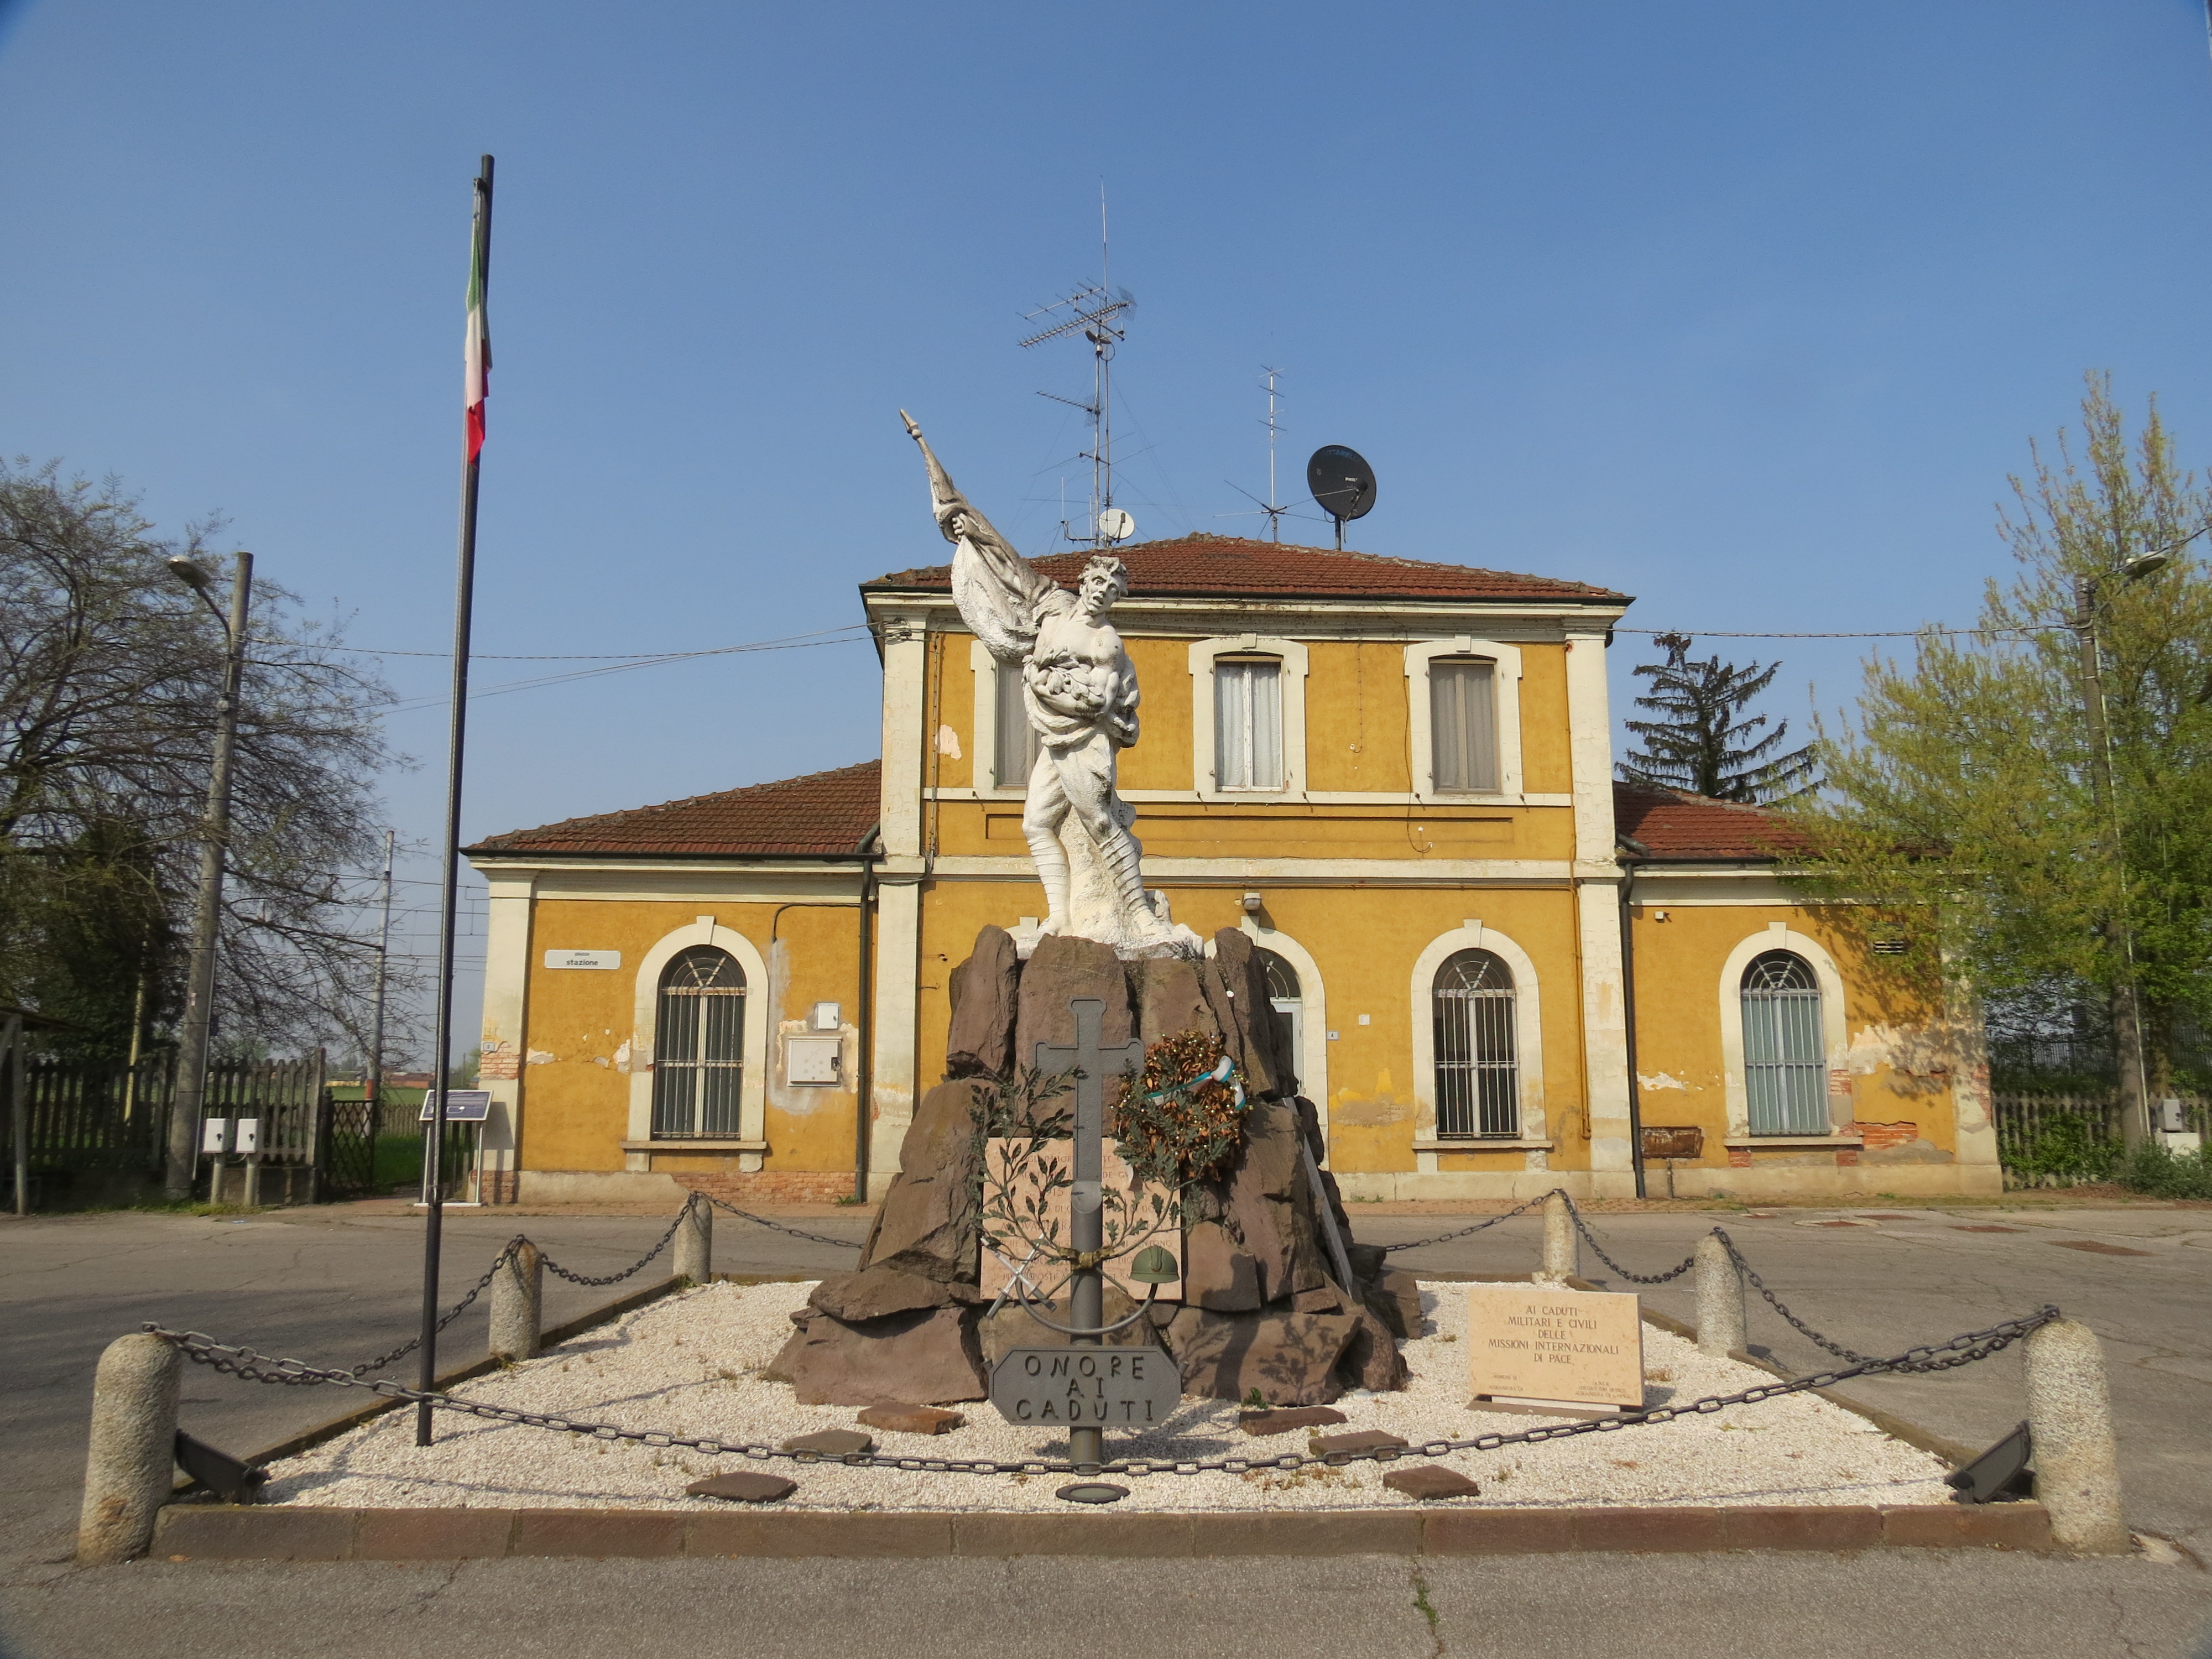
1090, 1064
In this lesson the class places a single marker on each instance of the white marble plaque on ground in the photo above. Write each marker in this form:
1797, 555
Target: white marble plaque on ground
1530, 1344
998, 1267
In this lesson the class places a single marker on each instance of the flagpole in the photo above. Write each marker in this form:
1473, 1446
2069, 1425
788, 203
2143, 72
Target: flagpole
478, 361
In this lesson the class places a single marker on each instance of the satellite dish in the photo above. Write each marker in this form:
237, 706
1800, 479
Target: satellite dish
1342, 482
1115, 525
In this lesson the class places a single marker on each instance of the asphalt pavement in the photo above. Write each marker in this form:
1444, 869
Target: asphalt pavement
339, 1284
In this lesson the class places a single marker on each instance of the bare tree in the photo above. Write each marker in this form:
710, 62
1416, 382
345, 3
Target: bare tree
109, 671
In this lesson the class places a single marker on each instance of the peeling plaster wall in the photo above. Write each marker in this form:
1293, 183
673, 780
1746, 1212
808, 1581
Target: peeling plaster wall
1907, 1094
584, 1047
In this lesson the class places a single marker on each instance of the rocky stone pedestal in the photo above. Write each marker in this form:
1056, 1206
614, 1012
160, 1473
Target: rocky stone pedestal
1261, 1310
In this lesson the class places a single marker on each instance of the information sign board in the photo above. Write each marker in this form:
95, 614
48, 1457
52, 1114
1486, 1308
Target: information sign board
461, 1106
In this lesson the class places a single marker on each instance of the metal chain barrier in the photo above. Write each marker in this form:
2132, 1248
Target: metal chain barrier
773, 1227
1590, 1239
635, 1267
1750, 1274
1775, 1303
449, 1316
1446, 1238
252, 1367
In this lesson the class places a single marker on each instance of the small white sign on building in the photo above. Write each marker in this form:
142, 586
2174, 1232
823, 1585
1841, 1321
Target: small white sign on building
604, 960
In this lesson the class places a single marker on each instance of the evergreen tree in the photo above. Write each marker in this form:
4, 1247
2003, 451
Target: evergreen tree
1702, 742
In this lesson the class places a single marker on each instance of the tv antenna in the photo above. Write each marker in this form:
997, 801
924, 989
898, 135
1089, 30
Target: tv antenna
1273, 508
1095, 311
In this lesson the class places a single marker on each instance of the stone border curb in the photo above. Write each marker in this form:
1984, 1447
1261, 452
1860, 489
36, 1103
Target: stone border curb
278, 1533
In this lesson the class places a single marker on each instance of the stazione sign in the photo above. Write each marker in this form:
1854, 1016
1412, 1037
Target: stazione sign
1086, 1388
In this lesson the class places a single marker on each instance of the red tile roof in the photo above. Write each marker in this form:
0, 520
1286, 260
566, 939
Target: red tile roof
825, 814
1228, 567
1679, 827
822, 815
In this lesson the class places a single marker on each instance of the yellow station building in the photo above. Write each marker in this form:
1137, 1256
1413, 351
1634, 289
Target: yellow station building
1504, 971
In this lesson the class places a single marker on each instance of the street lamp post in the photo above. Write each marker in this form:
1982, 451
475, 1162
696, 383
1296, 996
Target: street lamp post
2130, 1058
215, 835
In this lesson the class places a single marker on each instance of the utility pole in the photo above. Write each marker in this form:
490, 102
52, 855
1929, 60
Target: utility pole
372, 1073
215, 837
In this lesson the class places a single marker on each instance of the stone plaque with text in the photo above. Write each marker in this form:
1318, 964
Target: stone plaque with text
1527, 1344
1086, 1388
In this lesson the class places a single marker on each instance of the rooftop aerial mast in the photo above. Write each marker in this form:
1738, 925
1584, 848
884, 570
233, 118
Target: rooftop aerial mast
1097, 312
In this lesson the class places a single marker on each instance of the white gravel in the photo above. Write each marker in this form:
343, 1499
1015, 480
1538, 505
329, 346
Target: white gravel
688, 1364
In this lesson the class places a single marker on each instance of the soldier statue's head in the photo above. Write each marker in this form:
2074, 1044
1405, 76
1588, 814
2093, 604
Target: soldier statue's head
1103, 584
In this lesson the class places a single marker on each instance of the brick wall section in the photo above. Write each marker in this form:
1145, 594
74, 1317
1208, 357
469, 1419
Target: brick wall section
502, 1186
1878, 1136
773, 1186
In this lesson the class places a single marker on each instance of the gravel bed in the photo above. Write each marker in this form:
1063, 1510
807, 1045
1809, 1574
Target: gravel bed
688, 1364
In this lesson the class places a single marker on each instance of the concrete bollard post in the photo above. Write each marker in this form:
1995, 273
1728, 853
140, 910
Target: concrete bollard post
2070, 1417
1562, 1250
695, 1244
518, 1304
130, 1465
1720, 1299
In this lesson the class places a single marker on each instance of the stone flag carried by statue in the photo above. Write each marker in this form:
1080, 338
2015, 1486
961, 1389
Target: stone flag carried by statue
1080, 689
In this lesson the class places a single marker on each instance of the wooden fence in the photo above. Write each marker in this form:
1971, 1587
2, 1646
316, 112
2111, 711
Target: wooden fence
98, 1126
2065, 1140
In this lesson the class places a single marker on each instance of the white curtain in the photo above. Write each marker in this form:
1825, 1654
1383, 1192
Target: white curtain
1248, 728
1463, 724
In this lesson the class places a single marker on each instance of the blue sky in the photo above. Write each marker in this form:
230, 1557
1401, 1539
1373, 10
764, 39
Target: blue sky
1745, 309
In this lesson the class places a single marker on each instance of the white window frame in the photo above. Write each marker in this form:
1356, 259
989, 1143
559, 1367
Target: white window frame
752, 1092
983, 772
1505, 685
1528, 1040
1777, 936
1205, 711
1313, 1012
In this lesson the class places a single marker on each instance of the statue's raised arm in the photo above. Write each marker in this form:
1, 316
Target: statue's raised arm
998, 590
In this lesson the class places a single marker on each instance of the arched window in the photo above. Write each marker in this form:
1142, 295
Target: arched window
1284, 992
699, 1044
1784, 1064
1478, 1071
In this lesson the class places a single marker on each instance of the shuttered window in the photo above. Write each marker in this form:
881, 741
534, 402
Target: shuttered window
1248, 725
1463, 724
699, 1045
1014, 739
1478, 1066
1784, 1057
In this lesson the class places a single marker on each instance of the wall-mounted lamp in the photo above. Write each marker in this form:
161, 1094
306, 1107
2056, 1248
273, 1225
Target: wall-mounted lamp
1251, 904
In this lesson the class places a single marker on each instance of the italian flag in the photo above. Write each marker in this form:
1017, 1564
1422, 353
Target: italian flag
477, 352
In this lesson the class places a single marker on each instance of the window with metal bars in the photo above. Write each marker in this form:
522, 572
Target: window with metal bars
1463, 724
1248, 723
1477, 1061
1784, 1050
699, 1047
1014, 739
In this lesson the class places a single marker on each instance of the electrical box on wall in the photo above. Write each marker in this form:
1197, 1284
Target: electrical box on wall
814, 1060
826, 1017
